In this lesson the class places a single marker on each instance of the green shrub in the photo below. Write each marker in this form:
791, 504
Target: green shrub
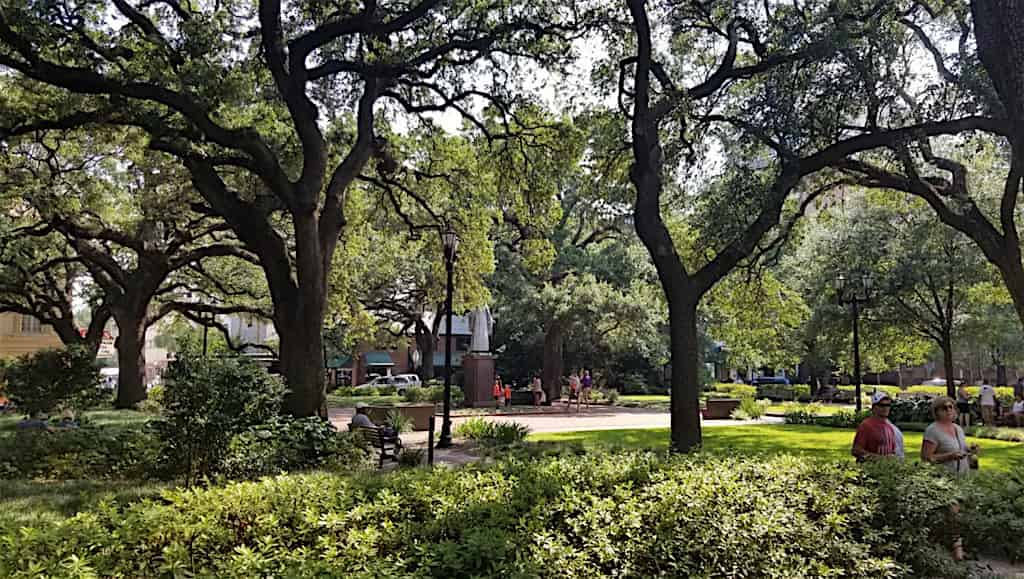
473, 428
368, 391
750, 409
734, 390
386, 391
417, 395
492, 432
344, 391
398, 421
42, 381
411, 457
911, 410
625, 515
996, 433
993, 513
206, 402
286, 444
80, 453
612, 395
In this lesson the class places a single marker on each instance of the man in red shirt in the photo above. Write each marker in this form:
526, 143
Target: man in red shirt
876, 436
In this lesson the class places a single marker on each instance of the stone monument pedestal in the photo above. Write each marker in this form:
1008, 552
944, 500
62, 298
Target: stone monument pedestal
478, 378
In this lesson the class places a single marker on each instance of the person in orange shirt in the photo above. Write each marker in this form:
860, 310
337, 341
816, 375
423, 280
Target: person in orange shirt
496, 391
508, 395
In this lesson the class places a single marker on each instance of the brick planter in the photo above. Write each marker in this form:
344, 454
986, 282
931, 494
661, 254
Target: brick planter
419, 413
717, 408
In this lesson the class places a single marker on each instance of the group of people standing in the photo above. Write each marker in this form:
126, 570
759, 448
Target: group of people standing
989, 404
944, 441
943, 444
581, 384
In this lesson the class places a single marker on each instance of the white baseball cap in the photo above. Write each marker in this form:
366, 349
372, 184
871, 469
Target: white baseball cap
360, 405
879, 396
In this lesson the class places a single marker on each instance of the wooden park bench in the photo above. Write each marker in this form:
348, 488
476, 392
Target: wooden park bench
387, 446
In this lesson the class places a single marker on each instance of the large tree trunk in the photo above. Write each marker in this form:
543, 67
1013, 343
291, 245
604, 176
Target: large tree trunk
131, 359
553, 369
685, 349
302, 362
947, 362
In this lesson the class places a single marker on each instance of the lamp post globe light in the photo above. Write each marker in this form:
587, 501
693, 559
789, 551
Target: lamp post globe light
450, 241
854, 294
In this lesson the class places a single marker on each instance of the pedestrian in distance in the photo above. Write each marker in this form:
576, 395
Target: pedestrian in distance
508, 396
497, 392
574, 391
587, 385
987, 399
538, 391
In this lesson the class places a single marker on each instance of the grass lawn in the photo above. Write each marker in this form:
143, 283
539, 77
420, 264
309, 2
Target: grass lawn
24, 502
336, 401
662, 401
106, 418
826, 443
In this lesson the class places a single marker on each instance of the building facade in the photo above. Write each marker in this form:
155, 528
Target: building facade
21, 335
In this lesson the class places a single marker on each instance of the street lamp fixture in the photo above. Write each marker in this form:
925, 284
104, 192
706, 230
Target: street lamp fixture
854, 294
450, 241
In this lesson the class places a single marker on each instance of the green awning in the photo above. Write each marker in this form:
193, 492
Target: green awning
339, 362
378, 359
439, 359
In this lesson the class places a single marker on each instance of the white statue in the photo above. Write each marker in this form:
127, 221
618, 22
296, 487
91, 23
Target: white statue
480, 323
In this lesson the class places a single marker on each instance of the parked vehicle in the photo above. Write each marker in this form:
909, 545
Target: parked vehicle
401, 382
770, 380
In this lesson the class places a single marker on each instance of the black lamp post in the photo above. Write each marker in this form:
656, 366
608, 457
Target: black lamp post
853, 294
451, 244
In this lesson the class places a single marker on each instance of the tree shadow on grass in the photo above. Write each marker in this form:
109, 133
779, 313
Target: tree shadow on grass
30, 502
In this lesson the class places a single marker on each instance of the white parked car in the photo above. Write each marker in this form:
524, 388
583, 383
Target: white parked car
400, 381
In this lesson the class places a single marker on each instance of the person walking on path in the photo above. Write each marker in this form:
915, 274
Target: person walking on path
987, 398
538, 391
1018, 388
508, 396
877, 437
587, 384
963, 405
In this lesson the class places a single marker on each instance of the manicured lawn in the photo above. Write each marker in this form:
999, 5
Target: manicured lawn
111, 418
819, 441
350, 401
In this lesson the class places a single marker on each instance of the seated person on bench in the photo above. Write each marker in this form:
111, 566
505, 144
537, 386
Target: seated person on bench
360, 419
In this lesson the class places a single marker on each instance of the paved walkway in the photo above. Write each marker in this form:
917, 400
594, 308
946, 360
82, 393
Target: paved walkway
596, 418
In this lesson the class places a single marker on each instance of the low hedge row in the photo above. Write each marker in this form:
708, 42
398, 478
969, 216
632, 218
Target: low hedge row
627, 515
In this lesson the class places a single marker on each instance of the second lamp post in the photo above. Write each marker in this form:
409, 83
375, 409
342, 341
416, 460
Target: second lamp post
451, 245
855, 294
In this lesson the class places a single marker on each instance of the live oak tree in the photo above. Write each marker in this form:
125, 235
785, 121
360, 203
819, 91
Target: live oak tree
780, 103
273, 106
972, 180
40, 277
128, 221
